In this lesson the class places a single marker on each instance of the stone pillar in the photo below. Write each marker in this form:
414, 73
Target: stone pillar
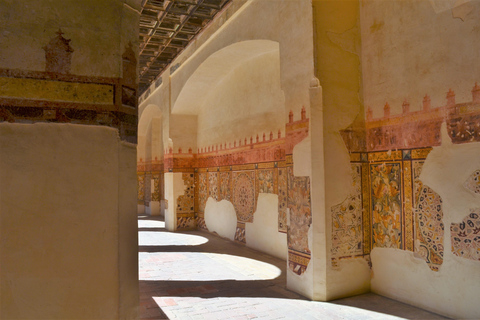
68, 114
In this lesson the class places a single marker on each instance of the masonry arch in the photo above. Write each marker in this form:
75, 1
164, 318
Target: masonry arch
235, 93
150, 160
236, 96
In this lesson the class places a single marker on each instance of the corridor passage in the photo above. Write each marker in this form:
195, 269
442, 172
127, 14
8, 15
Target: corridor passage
197, 275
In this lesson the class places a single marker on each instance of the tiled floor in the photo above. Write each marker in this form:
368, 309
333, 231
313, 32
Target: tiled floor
197, 275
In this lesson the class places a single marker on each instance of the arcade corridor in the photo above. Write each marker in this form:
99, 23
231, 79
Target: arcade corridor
198, 275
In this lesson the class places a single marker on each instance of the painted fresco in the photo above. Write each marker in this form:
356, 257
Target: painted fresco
148, 188
185, 202
473, 182
225, 186
156, 187
347, 233
408, 229
465, 236
430, 228
186, 223
282, 200
141, 188
244, 195
386, 205
300, 212
58, 96
240, 232
202, 191
419, 129
265, 181
213, 185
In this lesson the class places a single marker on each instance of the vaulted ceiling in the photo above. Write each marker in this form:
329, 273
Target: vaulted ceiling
166, 28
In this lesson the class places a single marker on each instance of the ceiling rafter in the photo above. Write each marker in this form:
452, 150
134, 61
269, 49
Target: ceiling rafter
166, 28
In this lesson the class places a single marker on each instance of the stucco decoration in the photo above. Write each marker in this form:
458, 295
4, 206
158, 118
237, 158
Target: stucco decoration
473, 182
347, 234
386, 205
244, 195
466, 236
430, 228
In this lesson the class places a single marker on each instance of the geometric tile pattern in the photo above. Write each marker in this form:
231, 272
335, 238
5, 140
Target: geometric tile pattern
244, 195
201, 223
186, 223
466, 236
347, 233
430, 228
473, 182
386, 205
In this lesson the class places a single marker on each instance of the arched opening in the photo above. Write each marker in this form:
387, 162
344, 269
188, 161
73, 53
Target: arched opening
150, 161
236, 99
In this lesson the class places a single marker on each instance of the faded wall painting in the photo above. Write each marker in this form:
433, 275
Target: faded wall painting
399, 211
386, 205
347, 221
465, 236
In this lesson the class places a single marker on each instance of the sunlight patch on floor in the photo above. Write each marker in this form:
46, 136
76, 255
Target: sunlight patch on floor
158, 238
264, 308
203, 266
151, 224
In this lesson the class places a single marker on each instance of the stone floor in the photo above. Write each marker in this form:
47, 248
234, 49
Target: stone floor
197, 275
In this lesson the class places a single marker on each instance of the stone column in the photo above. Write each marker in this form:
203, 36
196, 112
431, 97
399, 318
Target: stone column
68, 116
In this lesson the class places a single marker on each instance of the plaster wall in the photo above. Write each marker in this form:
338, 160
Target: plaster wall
247, 101
220, 217
401, 275
263, 234
98, 44
403, 60
59, 184
183, 132
174, 187
250, 23
254, 96
338, 69
405, 42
